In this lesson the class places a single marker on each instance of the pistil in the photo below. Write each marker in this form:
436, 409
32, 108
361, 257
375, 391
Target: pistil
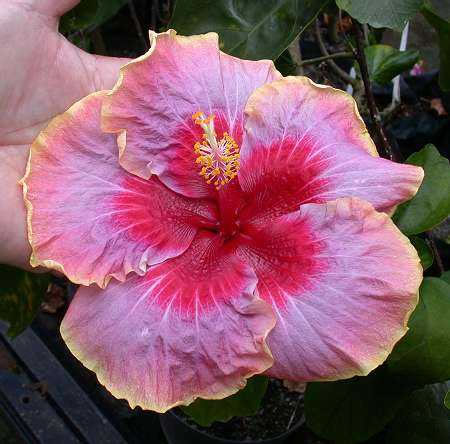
219, 159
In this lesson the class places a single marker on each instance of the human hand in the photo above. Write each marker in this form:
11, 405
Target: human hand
41, 75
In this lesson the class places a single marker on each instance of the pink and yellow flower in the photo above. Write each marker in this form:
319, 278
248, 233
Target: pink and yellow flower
233, 221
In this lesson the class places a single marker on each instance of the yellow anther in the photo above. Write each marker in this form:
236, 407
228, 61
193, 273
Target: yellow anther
219, 159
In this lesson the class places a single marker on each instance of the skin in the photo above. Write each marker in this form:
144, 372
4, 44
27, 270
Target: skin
42, 75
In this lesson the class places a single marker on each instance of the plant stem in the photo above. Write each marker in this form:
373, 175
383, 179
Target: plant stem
396, 87
296, 56
373, 110
434, 249
333, 27
338, 71
291, 419
336, 55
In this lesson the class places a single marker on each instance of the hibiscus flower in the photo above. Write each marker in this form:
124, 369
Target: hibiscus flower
233, 220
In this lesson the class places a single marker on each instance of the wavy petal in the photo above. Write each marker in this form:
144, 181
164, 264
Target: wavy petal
307, 143
151, 106
342, 280
191, 327
87, 216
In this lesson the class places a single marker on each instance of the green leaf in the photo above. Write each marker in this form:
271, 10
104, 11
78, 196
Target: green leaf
424, 251
83, 41
423, 418
447, 400
89, 13
79, 17
382, 13
427, 402
245, 402
431, 205
385, 62
285, 64
446, 276
422, 356
352, 410
21, 294
108, 9
442, 27
252, 30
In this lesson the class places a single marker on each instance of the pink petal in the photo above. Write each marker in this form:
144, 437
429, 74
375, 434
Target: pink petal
307, 143
87, 216
190, 327
152, 105
342, 280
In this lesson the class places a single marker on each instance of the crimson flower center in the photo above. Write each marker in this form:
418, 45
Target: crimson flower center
219, 161
228, 224
229, 227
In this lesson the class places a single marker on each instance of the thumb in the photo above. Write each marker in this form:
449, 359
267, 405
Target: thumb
104, 70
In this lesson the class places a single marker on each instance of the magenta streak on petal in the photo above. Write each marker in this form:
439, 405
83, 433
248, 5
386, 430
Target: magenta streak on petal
90, 218
312, 136
342, 280
154, 101
285, 257
152, 214
190, 327
278, 178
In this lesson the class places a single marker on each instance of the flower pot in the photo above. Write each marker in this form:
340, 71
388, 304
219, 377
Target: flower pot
178, 431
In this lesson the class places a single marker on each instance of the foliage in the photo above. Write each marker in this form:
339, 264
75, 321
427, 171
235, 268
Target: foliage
443, 29
352, 410
250, 30
385, 62
243, 403
424, 251
79, 17
285, 64
90, 13
431, 205
423, 355
423, 418
446, 277
395, 14
382, 13
21, 294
